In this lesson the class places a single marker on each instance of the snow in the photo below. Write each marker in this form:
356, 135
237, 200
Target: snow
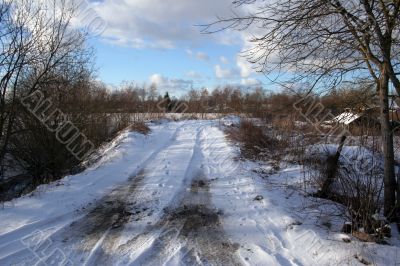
360, 159
300, 124
154, 177
393, 104
349, 154
126, 156
230, 120
344, 118
359, 167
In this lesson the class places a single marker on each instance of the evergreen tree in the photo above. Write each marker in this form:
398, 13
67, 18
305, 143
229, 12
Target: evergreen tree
167, 100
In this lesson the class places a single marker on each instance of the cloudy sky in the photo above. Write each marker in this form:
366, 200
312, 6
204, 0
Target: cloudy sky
158, 41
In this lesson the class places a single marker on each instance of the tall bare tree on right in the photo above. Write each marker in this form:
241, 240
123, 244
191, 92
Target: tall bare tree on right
323, 43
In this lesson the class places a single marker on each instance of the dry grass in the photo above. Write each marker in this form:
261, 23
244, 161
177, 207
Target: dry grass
255, 143
359, 192
140, 127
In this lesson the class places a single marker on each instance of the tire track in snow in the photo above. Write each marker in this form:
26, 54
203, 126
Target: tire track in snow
245, 217
90, 228
111, 220
190, 232
153, 168
157, 233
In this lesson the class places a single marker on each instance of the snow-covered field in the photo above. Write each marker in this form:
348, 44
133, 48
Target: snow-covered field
180, 196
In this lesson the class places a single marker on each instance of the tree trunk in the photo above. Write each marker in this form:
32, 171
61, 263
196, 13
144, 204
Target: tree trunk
331, 171
398, 203
387, 148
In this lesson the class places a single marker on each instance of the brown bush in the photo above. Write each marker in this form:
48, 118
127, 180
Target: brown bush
140, 127
360, 192
255, 143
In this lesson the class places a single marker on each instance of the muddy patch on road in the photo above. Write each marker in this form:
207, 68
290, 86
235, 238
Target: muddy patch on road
195, 209
191, 232
195, 218
103, 225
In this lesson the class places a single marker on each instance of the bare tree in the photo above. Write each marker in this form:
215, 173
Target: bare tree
323, 43
193, 99
37, 42
152, 97
204, 101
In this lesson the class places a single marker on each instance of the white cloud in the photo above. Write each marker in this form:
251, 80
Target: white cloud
222, 73
189, 52
224, 60
250, 82
225, 73
162, 23
246, 68
169, 24
194, 75
175, 87
158, 79
202, 56
198, 55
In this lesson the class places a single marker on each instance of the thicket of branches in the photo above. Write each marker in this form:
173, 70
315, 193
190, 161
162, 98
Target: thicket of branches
322, 43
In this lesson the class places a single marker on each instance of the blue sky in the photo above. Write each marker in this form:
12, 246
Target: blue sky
156, 41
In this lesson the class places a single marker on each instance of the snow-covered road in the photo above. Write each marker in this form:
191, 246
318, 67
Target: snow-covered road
178, 196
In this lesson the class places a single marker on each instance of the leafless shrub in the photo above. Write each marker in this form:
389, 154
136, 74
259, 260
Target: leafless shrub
359, 191
140, 127
38, 152
284, 124
193, 117
255, 143
122, 120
